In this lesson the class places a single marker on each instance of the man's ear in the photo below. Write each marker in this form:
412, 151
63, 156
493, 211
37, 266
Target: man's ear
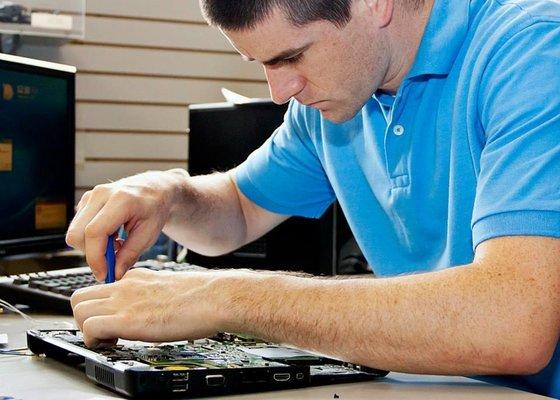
381, 11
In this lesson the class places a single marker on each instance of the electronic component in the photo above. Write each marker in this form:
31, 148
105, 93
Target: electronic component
222, 364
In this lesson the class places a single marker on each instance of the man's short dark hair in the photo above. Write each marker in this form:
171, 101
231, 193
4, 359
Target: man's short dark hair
237, 15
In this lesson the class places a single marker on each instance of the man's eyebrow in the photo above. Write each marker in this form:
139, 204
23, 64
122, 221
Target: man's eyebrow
282, 56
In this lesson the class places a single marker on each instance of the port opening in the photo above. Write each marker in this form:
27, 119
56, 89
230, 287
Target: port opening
179, 384
215, 380
179, 387
282, 377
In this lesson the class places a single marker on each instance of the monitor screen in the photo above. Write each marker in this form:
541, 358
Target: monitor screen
37, 128
222, 135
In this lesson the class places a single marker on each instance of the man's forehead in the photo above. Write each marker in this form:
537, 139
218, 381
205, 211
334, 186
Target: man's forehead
271, 38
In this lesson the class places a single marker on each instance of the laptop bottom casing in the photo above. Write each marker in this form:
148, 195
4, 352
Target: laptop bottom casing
226, 364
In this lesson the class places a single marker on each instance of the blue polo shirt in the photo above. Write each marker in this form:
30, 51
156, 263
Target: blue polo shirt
467, 150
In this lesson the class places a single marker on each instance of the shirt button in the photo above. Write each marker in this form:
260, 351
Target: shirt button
398, 130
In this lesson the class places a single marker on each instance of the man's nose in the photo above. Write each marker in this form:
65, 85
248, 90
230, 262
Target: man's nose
283, 84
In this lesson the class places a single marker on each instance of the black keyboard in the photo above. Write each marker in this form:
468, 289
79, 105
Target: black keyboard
52, 290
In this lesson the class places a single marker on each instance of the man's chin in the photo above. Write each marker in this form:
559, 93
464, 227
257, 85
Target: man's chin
338, 116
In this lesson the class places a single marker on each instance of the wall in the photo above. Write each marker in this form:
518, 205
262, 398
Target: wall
140, 65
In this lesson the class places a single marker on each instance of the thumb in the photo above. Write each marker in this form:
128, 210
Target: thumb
132, 248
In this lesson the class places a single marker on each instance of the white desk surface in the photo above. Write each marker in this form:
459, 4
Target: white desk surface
30, 378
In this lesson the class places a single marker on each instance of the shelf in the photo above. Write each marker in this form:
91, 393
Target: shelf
49, 18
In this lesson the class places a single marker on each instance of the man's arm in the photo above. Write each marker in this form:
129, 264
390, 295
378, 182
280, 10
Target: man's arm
498, 315
211, 216
207, 214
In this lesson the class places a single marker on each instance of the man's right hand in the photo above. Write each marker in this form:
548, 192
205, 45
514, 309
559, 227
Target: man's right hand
142, 203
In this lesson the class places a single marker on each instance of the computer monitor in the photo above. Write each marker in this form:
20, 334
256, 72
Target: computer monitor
37, 139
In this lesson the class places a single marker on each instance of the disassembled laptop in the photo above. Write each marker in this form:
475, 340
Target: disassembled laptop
224, 364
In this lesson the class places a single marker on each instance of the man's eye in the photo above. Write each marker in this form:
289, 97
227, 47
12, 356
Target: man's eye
292, 60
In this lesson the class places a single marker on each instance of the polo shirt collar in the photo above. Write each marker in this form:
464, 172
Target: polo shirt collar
443, 37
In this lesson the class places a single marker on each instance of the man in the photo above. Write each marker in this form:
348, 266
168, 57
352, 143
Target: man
436, 126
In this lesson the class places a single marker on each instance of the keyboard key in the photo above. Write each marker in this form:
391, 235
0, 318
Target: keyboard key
49, 286
61, 289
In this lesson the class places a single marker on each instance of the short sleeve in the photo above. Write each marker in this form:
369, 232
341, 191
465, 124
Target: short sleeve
285, 174
518, 188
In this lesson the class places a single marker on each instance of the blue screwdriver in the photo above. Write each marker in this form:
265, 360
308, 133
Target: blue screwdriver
110, 258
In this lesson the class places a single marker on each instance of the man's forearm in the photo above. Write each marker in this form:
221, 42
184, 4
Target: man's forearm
466, 320
206, 215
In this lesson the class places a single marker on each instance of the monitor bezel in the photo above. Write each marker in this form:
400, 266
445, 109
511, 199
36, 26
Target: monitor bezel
48, 242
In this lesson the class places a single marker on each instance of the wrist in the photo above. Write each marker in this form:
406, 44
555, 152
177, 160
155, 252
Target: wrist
240, 296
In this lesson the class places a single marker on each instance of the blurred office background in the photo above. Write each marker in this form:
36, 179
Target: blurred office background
140, 65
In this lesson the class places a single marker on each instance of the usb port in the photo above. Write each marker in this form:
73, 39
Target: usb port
179, 385
281, 377
215, 380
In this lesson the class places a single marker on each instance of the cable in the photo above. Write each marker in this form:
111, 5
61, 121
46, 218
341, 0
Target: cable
16, 349
21, 351
34, 322
16, 310
15, 353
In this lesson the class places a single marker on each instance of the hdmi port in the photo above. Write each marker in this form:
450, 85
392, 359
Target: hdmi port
281, 377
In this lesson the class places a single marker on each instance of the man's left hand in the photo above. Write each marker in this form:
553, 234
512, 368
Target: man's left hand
149, 306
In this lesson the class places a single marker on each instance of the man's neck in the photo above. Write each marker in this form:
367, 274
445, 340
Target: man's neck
405, 33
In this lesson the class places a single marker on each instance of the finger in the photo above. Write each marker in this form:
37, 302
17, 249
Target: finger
142, 273
141, 238
91, 308
83, 201
104, 224
106, 343
91, 293
75, 237
100, 329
